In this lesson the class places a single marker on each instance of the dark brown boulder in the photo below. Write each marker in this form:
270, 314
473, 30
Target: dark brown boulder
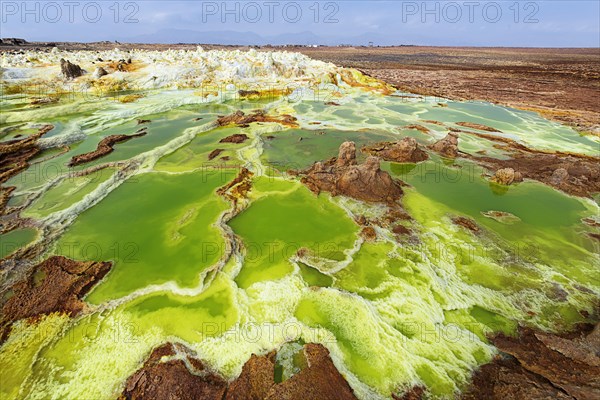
70, 70
236, 138
406, 150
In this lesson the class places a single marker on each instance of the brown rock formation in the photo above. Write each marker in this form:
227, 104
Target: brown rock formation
540, 365
15, 154
104, 147
506, 176
415, 393
480, 127
368, 233
466, 223
238, 188
575, 174
448, 146
165, 377
215, 153
70, 70
55, 285
506, 379
241, 119
256, 379
341, 175
418, 127
320, 380
406, 150
236, 138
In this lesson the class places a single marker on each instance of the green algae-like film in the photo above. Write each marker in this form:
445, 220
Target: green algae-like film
211, 225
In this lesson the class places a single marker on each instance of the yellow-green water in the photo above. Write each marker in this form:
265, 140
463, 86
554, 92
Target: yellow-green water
393, 313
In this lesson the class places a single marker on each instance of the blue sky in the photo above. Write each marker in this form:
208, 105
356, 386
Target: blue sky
546, 23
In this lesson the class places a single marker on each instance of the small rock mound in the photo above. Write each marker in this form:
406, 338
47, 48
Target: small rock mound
70, 70
236, 138
507, 176
406, 150
448, 146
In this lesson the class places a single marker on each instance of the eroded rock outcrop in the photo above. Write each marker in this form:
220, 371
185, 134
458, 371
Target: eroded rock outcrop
242, 119
174, 372
342, 175
70, 70
256, 380
319, 380
575, 174
539, 365
406, 150
56, 285
104, 147
99, 73
165, 375
448, 146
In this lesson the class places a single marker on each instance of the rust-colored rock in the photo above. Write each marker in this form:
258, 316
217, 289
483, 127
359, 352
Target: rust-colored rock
256, 379
506, 379
238, 188
480, 127
236, 138
540, 365
340, 175
241, 119
215, 153
572, 173
448, 146
415, 393
466, 223
418, 127
15, 154
165, 377
104, 147
320, 380
368, 233
571, 363
56, 285
406, 150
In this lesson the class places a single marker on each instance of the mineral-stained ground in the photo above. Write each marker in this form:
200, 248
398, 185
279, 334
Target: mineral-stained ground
226, 223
